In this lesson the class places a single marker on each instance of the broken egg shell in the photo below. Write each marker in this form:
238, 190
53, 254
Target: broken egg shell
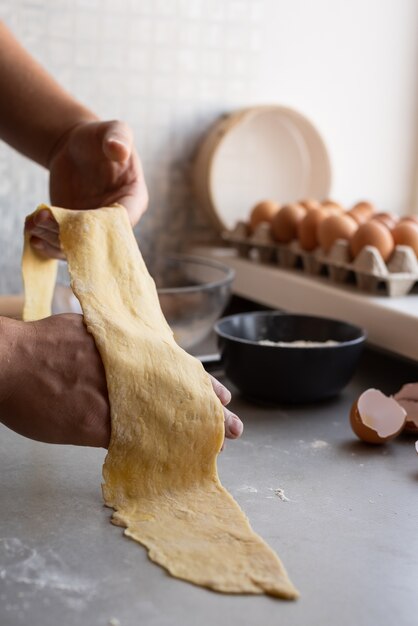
410, 425
376, 418
407, 397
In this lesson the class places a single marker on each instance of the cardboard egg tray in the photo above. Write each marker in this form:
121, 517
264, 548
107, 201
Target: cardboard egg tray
367, 271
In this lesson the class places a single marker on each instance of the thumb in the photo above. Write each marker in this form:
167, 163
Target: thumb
117, 141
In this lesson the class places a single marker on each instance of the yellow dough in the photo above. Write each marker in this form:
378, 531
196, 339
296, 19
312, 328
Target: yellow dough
160, 472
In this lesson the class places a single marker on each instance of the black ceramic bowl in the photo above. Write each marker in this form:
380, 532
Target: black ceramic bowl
288, 374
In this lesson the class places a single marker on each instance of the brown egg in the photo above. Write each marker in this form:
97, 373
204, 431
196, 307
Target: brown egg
406, 234
373, 234
308, 228
285, 223
358, 216
388, 219
331, 204
262, 212
335, 227
365, 207
375, 418
410, 218
309, 204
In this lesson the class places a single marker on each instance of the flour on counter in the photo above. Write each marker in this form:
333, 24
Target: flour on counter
279, 493
319, 443
248, 489
20, 564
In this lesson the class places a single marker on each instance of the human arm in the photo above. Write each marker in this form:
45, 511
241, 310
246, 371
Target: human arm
53, 385
91, 163
34, 110
54, 389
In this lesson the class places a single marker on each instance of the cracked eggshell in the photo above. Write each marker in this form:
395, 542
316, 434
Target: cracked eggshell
376, 418
407, 397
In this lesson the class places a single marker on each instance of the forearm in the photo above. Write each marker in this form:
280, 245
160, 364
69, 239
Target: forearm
10, 331
35, 112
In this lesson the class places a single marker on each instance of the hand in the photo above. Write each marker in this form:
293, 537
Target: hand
57, 390
233, 425
59, 393
95, 164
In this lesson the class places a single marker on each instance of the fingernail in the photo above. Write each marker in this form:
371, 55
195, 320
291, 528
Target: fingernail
235, 426
225, 395
117, 141
117, 150
43, 217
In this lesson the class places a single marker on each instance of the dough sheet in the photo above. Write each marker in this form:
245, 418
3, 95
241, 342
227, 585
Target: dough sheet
160, 473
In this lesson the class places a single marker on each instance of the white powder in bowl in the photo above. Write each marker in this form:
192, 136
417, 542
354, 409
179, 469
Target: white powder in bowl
299, 343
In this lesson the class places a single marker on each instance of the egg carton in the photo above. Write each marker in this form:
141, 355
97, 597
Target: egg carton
368, 271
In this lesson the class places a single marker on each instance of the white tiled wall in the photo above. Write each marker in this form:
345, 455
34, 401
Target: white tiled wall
167, 67
170, 67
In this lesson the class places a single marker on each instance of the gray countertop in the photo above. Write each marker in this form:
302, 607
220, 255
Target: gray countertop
348, 533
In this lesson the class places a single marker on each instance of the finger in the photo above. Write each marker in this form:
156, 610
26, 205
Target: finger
42, 219
117, 141
135, 202
45, 219
49, 236
233, 425
46, 249
222, 392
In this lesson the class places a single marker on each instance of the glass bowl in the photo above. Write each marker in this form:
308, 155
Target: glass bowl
193, 293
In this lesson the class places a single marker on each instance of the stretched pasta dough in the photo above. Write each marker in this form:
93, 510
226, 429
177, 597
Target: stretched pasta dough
160, 472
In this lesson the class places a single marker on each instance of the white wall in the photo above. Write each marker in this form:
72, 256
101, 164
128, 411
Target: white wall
351, 66
170, 67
